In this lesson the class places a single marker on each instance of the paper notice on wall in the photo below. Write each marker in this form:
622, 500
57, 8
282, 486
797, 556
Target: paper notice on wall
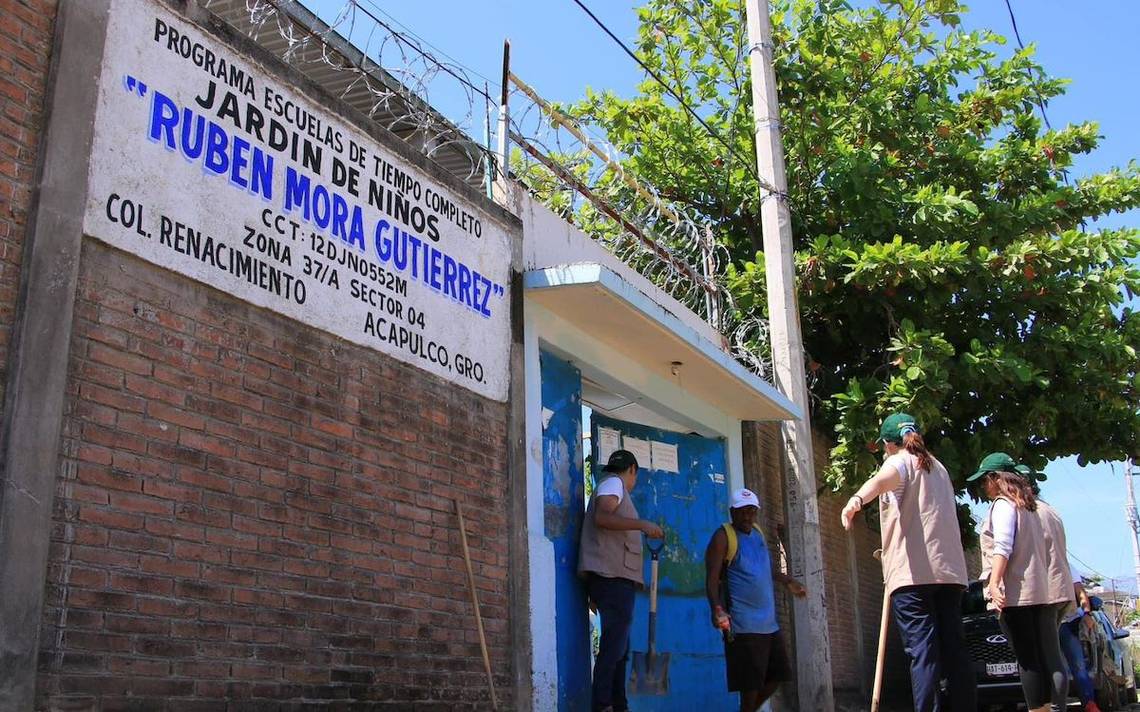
608, 441
664, 456
640, 450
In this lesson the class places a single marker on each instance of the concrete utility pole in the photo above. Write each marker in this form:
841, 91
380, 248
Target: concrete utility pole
813, 649
1133, 520
504, 151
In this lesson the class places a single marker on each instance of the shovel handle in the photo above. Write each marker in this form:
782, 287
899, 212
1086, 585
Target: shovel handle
653, 564
653, 587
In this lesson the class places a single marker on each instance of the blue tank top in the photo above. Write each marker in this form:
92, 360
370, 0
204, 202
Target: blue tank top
751, 600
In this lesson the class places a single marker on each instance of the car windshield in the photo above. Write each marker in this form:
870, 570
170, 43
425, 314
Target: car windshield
974, 601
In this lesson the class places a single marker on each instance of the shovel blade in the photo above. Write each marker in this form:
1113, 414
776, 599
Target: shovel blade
650, 674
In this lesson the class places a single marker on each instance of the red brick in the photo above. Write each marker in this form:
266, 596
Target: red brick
127, 362
169, 567
197, 552
175, 530
142, 584
110, 518
166, 490
129, 502
139, 541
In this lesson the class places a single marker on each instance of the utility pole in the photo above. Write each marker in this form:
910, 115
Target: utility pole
504, 151
1133, 520
813, 648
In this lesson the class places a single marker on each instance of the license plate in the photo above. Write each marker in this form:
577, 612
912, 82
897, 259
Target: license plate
996, 669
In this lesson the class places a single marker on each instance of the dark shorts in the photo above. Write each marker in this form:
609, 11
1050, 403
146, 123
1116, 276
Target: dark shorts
753, 660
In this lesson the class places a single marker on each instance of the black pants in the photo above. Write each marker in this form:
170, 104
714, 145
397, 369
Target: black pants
1033, 633
930, 624
614, 600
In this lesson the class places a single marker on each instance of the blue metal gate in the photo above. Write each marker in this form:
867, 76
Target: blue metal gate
563, 508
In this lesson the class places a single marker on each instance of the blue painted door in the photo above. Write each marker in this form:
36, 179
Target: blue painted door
689, 505
563, 508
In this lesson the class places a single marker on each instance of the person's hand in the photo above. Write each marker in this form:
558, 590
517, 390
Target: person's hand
996, 595
796, 588
651, 530
721, 619
848, 515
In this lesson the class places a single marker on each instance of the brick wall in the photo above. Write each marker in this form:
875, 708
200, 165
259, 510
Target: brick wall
257, 512
26, 29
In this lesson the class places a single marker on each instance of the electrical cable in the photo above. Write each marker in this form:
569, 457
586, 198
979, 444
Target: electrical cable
1087, 566
1017, 36
669, 89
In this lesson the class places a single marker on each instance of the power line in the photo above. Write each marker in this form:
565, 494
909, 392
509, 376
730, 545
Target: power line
1017, 35
669, 89
1087, 565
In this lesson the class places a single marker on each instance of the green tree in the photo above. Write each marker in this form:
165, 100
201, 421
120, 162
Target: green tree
947, 265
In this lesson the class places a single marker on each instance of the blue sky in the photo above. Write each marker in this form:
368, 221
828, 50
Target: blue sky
557, 48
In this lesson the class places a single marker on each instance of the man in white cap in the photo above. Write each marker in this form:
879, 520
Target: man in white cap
739, 583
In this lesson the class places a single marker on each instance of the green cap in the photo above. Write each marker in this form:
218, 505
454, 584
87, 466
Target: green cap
896, 426
1001, 462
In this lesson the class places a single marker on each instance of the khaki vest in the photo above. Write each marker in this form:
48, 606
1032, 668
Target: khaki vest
1060, 575
1026, 578
921, 540
610, 553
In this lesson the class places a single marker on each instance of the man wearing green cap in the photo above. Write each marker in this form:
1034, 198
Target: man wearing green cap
924, 567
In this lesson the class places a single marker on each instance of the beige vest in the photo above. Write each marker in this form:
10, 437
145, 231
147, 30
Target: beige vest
921, 540
1060, 575
1026, 578
610, 553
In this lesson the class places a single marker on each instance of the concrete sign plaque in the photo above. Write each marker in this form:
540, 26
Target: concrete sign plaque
207, 166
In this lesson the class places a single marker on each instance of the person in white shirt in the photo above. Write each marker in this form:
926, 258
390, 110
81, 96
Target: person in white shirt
1029, 582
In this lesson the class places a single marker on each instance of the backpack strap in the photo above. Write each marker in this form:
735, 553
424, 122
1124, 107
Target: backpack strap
733, 543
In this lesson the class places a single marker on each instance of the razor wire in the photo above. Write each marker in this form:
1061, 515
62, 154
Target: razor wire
353, 50
582, 177
394, 79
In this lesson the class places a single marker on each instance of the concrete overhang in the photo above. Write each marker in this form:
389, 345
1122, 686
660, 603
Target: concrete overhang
599, 302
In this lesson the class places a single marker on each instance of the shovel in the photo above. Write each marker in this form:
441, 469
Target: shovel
650, 675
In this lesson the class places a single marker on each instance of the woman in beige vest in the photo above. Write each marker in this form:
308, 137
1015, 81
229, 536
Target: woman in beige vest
1023, 587
924, 567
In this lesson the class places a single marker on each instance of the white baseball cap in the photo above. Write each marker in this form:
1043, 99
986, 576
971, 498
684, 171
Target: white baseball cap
743, 498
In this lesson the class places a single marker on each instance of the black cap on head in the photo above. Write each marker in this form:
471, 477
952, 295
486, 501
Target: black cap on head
620, 461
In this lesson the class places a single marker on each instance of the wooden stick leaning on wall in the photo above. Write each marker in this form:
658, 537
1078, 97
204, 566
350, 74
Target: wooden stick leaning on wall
475, 603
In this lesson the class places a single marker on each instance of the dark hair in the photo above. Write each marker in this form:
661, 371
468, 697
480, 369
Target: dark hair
1016, 489
913, 443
